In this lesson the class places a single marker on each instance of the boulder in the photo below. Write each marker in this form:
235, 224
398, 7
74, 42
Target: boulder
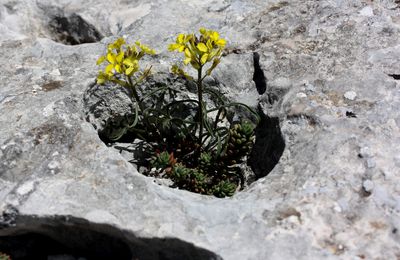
324, 73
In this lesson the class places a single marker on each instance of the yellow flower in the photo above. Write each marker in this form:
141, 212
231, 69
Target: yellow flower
145, 48
117, 44
199, 50
121, 60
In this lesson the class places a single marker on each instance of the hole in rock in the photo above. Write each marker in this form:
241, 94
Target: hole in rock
395, 76
351, 114
73, 29
258, 76
67, 238
268, 147
111, 111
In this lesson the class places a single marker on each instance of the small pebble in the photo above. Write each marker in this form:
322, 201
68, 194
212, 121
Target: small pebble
366, 152
301, 95
350, 95
367, 11
337, 208
53, 165
309, 87
368, 185
55, 72
130, 186
371, 163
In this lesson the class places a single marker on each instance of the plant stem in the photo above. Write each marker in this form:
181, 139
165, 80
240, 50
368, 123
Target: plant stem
135, 94
200, 110
149, 127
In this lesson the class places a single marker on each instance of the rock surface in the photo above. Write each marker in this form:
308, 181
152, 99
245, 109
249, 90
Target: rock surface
334, 193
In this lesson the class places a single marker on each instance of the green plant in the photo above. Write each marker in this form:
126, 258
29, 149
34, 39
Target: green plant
200, 151
123, 68
163, 160
4, 256
224, 189
199, 50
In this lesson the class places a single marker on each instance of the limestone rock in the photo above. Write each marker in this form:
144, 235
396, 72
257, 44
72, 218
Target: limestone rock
328, 197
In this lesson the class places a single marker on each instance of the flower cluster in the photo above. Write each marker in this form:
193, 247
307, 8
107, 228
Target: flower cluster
199, 50
122, 59
192, 149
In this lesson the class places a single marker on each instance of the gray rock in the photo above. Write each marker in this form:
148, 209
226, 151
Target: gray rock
350, 95
368, 185
58, 177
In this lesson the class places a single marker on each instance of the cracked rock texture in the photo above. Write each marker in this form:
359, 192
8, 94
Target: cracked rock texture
331, 69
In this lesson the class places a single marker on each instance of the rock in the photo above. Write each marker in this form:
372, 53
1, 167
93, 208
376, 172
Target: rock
367, 11
368, 185
350, 95
60, 183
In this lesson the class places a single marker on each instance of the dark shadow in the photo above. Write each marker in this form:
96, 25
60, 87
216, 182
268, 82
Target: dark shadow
395, 76
268, 147
73, 29
74, 238
258, 76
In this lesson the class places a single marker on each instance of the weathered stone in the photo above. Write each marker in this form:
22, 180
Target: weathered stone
315, 203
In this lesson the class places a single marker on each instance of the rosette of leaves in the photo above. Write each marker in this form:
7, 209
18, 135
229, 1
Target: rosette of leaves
163, 160
190, 179
240, 142
224, 189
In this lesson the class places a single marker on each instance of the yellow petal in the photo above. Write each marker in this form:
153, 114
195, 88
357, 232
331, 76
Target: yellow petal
180, 38
100, 60
214, 36
203, 30
187, 53
120, 57
172, 47
204, 58
128, 62
118, 68
181, 48
111, 57
221, 42
187, 61
202, 47
129, 71
209, 44
108, 69
147, 49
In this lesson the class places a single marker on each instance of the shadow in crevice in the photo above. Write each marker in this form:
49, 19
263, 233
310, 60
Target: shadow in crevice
73, 29
268, 148
258, 76
69, 28
74, 238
